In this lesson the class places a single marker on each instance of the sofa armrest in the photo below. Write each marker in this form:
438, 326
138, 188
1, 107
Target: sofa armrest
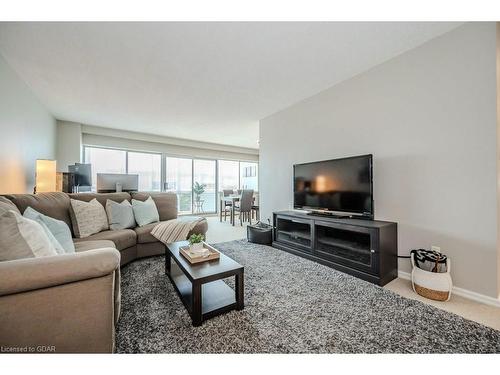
35, 273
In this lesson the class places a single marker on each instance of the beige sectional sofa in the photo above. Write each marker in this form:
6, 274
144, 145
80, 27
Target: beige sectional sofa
71, 302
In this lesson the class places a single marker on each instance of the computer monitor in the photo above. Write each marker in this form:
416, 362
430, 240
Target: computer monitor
111, 182
83, 176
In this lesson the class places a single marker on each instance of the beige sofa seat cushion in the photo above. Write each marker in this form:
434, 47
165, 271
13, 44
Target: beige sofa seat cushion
144, 233
122, 239
93, 245
166, 203
87, 217
55, 204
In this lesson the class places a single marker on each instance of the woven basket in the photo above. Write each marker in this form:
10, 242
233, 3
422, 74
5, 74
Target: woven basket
431, 294
432, 285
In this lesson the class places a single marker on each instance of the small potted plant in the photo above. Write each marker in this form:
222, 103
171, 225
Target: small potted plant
196, 242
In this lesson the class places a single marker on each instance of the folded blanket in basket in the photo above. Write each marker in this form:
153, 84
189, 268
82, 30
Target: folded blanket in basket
175, 229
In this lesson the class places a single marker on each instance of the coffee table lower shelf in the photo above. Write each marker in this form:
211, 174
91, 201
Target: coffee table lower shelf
216, 297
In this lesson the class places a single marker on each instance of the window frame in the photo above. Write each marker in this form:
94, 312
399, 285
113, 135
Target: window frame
162, 177
163, 166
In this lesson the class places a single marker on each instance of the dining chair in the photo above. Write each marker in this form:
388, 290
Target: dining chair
227, 205
245, 207
255, 207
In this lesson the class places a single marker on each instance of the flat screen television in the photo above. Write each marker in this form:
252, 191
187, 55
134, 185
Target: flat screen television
335, 186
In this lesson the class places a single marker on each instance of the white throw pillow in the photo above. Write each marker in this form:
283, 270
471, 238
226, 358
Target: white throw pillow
145, 212
58, 230
120, 215
22, 238
87, 217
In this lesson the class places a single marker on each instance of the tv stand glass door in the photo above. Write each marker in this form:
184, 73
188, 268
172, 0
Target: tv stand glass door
347, 244
294, 231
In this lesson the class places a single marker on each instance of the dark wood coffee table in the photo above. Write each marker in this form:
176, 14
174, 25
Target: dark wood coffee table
200, 286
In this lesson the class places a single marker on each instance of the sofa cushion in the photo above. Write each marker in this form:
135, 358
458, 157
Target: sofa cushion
150, 249
145, 212
58, 229
120, 215
93, 245
55, 204
122, 239
144, 233
101, 197
166, 203
87, 217
7, 205
22, 238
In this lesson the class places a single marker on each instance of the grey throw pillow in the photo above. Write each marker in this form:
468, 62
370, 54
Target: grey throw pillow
145, 212
22, 238
120, 215
57, 228
87, 217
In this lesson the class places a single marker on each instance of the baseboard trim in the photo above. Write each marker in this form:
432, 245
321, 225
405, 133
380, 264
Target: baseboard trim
487, 300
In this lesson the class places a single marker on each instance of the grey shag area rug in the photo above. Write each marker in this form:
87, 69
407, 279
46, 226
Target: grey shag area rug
292, 305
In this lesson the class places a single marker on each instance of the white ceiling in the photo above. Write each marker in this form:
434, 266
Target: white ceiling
203, 81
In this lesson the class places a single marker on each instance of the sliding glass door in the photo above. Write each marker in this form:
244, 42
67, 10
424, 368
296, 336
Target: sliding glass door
229, 173
179, 180
194, 182
204, 179
148, 167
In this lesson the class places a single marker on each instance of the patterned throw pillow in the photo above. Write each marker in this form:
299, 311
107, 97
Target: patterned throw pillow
22, 238
145, 212
120, 215
57, 229
87, 217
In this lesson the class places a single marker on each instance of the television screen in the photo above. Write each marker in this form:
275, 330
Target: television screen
343, 185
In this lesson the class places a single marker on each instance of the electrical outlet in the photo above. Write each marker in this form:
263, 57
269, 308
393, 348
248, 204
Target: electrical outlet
436, 248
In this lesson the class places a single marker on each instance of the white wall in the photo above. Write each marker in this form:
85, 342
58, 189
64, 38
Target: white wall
69, 144
429, 118
27, 133
72, 136
99, 136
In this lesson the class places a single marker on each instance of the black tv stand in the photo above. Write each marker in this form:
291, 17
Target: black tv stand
364, 248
